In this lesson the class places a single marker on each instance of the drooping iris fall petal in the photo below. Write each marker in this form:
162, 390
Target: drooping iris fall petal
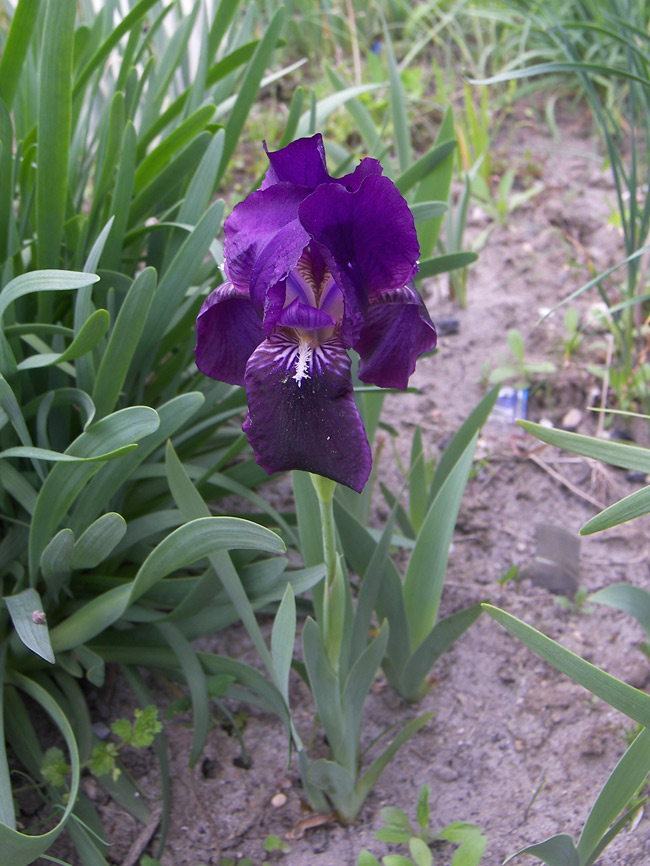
309, 423
228, 331
396, 331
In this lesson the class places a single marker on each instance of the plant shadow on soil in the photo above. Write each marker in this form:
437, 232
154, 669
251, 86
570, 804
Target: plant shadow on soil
514, 746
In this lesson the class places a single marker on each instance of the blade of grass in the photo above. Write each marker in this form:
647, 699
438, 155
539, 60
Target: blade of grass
124, 339
54, 128
122, 195
6, 178
398, 107
7, 811
250, 87
435, 187
196, 681
445, 263
176, 281
125, 25
628, 776
190, 502
630, 701
16, 47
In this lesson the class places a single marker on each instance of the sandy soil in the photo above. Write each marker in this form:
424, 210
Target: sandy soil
514, 746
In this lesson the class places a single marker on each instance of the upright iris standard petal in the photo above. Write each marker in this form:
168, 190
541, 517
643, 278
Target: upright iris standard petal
366, 168
315, 265
396, 331
228, 331
264, 238
367, 239
305, 418
302, 162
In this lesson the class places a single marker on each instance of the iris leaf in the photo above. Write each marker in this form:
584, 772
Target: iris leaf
85, 341
21, 849
126, 333
33, 633
54, 127
65, 481
445, 263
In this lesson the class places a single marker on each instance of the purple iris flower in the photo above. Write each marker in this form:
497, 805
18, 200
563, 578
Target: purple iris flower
315, 265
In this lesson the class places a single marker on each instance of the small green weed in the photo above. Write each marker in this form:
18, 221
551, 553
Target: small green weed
138, 734
577, 603
512, 574
503, 200
398, 830
518, 370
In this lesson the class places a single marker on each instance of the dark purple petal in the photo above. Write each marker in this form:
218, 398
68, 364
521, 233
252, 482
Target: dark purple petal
366, 168
302, 162
264, 239
367, 238
397, 330
305, 317
309, 422
228, 331
270, 305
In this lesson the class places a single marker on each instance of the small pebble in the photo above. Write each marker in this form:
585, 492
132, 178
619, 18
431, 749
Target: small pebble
101, 730
278, 801
91, 788
572, 419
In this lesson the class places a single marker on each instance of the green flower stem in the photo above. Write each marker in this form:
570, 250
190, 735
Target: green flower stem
325, 491
333, 605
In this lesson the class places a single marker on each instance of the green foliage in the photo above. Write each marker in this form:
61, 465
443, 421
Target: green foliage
54, 768
143, 730
503, 201
410, 606
511, 573
600, 50
519, 371
114, 148
103, 760
620, 454
139, 734
611, 810
108, 219
275, 843
341, 662
399, 830
573, 338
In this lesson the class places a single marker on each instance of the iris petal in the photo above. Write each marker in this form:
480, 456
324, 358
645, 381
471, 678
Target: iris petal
366, 168
302, 162
305, 317
311, 424
264, 239
396, 331
228, 331
367, 238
